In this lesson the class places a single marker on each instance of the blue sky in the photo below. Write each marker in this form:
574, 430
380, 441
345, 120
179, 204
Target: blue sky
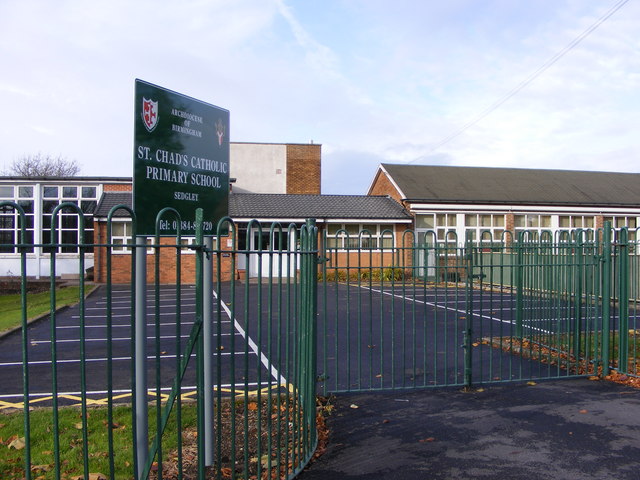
371, 81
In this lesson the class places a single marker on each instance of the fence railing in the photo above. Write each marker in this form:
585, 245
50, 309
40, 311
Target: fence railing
427, 313
203, 361
163, 378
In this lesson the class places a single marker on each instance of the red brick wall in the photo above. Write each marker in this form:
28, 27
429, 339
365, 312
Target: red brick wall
121, 263
303, 169
383, 186
397, 258
117, 187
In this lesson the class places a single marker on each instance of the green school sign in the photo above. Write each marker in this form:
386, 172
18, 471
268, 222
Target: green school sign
181, 160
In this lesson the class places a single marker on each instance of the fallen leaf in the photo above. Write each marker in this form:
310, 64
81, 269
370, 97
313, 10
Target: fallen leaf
78, 425
428, 440
480, 389
531, 383
386, 420
353, 405
379, 375
253, 406
594, 378
583, 411
17, 443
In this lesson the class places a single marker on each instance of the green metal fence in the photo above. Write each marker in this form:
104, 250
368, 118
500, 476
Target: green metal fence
427, 313
217, 377
210, 379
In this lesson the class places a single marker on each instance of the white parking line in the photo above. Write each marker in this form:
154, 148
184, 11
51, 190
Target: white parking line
117, 339
149, 314
127, 306
263, 358
445, 307
114, 359
128, 325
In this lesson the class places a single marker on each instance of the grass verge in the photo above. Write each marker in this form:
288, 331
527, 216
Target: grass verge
557, 351
259, 439
37, 304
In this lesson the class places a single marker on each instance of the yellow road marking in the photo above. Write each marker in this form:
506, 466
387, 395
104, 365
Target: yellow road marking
239, 393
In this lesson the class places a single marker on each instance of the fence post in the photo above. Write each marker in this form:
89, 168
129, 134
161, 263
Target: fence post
623, 299
309, 286
141, 401
207, 332
519, 282
468, 329
606, 296
579, 279
200, 343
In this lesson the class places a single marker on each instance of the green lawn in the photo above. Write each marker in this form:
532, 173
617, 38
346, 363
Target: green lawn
37, 304
12, 449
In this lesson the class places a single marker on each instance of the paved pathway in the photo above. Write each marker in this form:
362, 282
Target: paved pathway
569, 429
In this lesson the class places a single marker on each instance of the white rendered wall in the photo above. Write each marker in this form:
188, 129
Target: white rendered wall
258, 167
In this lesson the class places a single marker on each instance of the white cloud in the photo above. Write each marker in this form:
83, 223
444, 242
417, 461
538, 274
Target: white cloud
367, 81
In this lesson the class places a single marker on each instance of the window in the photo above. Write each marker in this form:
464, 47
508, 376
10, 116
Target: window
364, 236
631, 223
10, 220
532, 223
443, 224
479, 224
567, 222
121, 236
68, 222
121, 239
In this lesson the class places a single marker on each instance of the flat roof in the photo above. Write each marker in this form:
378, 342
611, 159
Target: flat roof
75, 179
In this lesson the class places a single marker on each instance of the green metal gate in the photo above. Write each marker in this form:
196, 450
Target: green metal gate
219, 377
429, 313
213, 379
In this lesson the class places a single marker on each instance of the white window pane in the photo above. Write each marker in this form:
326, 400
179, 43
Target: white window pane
424, 221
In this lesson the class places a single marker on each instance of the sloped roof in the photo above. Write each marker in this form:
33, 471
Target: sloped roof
110, 200
443, 184
274, 206
250, 205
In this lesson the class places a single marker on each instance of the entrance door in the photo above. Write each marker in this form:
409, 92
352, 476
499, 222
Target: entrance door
273, 255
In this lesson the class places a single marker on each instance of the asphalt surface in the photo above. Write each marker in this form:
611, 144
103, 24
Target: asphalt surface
562, 429
227, 339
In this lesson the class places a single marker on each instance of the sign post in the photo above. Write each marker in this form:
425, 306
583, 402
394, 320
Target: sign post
181, 160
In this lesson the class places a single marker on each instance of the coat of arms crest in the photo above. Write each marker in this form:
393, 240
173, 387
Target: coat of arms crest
149, 114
